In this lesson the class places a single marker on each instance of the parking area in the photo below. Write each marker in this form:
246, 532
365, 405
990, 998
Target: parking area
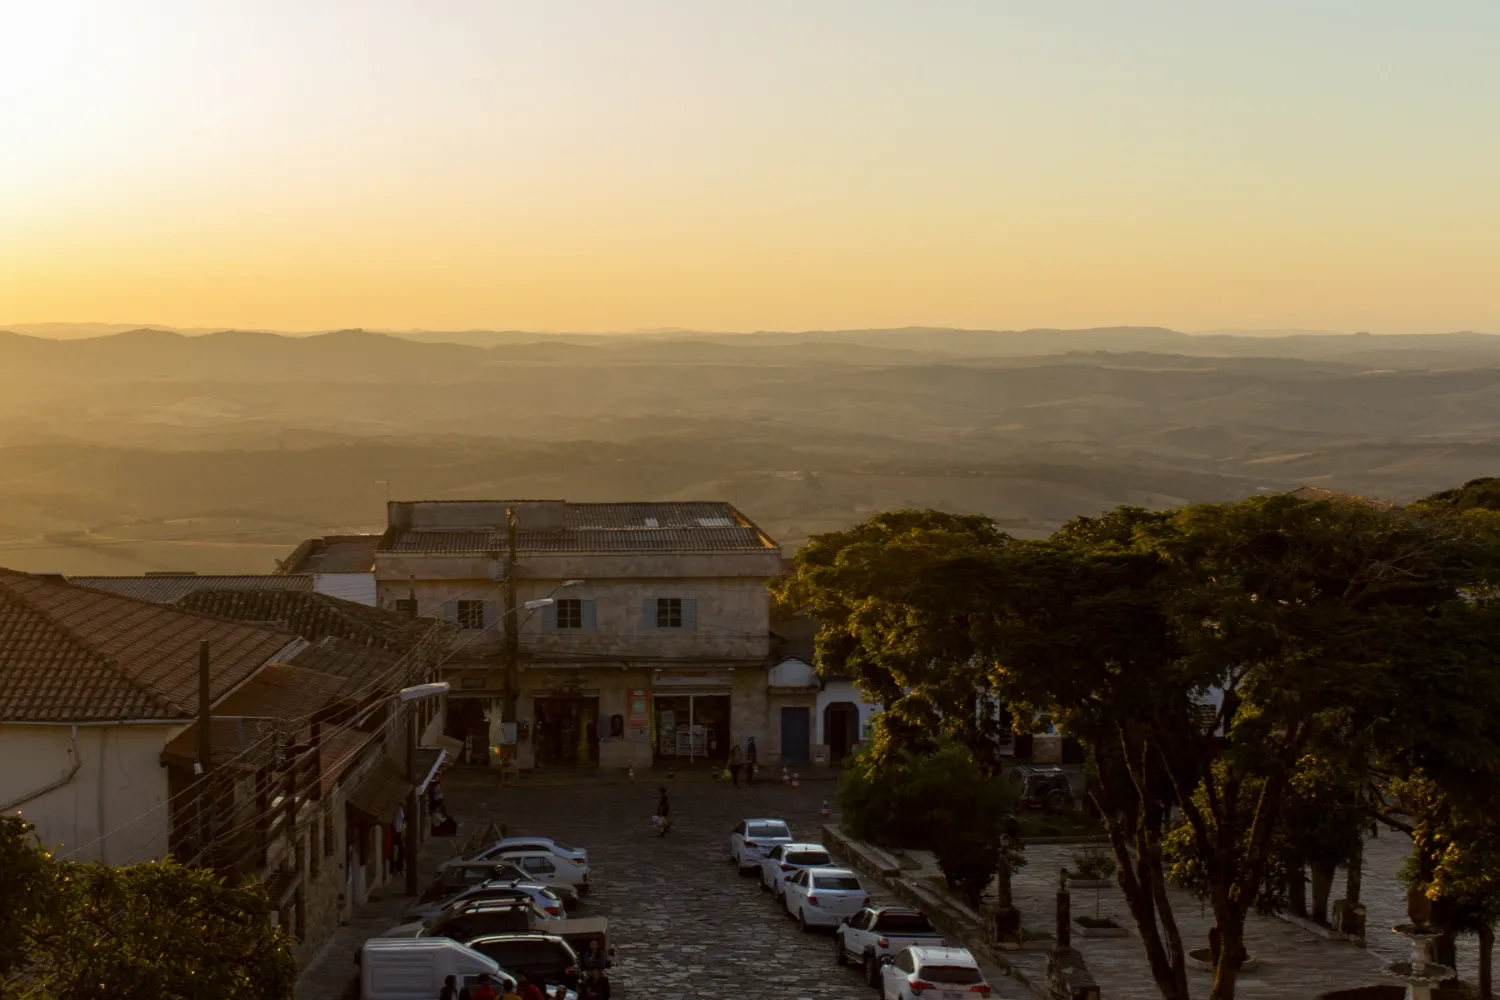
685, 924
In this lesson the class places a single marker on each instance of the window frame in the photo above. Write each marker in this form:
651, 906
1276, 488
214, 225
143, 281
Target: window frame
469, 614
569, 614
669, 612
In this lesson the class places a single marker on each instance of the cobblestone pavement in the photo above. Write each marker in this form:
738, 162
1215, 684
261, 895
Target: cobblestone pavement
685, 924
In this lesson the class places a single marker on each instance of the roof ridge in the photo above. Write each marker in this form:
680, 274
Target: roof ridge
108, 662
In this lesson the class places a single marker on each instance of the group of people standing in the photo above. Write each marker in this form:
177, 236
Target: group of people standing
749, 762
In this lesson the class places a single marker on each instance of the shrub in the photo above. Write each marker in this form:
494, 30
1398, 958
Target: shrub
1095, 864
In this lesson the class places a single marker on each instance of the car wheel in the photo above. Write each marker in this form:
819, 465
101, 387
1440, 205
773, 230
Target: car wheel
839, 958
872, 972
802, 921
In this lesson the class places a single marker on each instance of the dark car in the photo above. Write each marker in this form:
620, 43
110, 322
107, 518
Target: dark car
1043, 786
457, 877
484, 917
540, 957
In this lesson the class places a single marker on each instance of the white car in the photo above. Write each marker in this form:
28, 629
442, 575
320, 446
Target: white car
784, 859
932, 974
823, 897
550, 869
752, 838
547, 902
545, 845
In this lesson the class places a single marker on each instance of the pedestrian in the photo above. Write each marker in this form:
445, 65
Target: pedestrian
484, 990
663, 813
450, 988
752, 760
530, 990
510, 992
735, 763
596, 987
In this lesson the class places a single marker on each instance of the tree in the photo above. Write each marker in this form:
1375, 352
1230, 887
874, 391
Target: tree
157, 929
941, 801
1297, 618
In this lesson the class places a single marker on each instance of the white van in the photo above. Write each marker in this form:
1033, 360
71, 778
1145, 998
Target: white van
414, 968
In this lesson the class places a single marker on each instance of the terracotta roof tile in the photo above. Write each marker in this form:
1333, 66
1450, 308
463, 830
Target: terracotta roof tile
71, 654
169, 589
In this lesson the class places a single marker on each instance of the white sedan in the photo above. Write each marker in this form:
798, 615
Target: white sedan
824, 897
932, 974
784, 859
550, 869
752, 838
545, 845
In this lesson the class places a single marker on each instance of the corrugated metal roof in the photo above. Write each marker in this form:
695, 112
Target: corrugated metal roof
169, 589
602, 527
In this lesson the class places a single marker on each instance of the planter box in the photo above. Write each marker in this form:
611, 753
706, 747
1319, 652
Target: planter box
1198, 958
1114, 931
1090, 883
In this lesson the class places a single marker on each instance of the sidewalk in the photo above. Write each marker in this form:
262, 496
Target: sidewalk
562, 777
1294, 964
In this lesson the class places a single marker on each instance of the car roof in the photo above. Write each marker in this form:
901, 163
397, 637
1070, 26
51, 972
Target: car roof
904, 911
798, 845
767, 819
943, 956
515, 936
829, 870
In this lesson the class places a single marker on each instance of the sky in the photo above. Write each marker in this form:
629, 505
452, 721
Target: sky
807, 164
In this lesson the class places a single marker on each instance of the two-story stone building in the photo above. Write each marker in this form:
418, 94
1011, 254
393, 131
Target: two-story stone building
656, 643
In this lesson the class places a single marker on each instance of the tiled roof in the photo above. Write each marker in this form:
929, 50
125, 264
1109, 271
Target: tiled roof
382, 792
71, 654
601, 527
313, 616
362, 667
169, 588
334, 554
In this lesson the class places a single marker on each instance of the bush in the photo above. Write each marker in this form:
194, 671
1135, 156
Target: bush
158, 930
1095, 864
942, 801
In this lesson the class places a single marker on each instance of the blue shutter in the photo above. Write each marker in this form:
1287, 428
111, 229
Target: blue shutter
648, 613
589, 619
689, 612
490, 614
549, 617
450, 611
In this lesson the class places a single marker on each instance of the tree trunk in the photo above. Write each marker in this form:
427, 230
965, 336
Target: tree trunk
1356, 873
1322, 888
1486, 955
1231, 955
1296, 890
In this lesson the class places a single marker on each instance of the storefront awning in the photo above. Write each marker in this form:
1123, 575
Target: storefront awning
383, 791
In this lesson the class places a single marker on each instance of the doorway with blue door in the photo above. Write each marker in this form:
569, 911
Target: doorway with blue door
796, 735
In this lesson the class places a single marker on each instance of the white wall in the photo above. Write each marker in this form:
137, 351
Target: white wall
356, 587
837, 691
119, 780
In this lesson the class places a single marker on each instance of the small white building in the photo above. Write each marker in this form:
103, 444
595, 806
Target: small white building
341, 566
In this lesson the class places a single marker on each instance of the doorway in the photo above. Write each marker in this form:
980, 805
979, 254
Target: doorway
566, 731
692, 726
840, 729
466, 721
795, 735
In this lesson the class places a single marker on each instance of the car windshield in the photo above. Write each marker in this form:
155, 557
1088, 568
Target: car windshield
904, 923
950, 974
836, 883
808, 858
769, 831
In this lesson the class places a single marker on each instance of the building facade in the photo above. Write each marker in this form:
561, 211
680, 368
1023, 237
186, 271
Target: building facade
647, 639
341, 566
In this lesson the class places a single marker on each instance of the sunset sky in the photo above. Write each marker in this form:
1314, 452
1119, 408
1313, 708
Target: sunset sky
624, 164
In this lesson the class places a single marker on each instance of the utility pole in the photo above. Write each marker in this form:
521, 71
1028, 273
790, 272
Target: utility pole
205, 747
512, 624
409, 838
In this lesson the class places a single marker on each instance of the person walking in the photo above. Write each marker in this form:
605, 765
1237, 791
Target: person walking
752, 760
663, 813
450, 988
735, 763
596, 987
484, 989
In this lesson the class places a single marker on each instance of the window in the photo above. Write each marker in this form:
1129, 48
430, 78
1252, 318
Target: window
904, 962
405, 606
837, 883
775, 854
470, 614
770, 831
739, 828
807, 858
669, 612
904, 923
538, 865
570, 613
961, 975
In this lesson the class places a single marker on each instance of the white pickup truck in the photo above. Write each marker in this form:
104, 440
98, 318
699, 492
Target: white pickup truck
878, 931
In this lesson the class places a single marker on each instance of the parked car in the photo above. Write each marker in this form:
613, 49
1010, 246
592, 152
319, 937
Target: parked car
488, 891
423, 927
580, 932
752, 838
550, 869
923, 973
1043, 786
512, 844
876, 933
451, 881
784, 859
541, 958
823, 897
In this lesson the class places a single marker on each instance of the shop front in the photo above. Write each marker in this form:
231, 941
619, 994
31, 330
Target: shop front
691, 715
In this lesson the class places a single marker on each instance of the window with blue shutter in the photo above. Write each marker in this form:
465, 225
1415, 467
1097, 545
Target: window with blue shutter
491, 614
648, 613
590, 620
450, 611
689, 612
549, 617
